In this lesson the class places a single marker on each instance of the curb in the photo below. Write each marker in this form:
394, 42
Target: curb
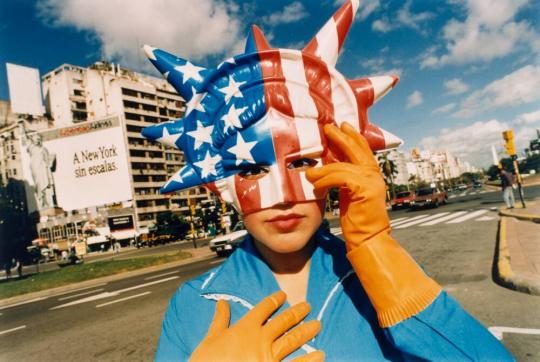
64, 289
526, 217
504, 275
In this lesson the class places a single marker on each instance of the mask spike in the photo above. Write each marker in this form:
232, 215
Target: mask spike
256, 41
181, 74
167, 134
184, 178
329, 40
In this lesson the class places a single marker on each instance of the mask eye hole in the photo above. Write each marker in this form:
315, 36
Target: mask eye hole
302, 164
254, 172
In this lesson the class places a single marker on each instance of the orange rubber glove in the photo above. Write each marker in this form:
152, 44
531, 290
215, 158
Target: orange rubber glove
255, 338
395, 284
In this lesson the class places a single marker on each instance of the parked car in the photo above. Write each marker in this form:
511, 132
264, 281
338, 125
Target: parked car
403, 200
428, 197
226, 244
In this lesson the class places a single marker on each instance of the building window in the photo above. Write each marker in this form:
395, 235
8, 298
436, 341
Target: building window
129, 92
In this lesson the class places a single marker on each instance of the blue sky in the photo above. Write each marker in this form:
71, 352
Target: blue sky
469, 68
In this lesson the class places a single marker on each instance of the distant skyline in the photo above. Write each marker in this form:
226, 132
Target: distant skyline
469, 69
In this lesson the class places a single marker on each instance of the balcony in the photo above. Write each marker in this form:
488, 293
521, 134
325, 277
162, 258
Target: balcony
142, 210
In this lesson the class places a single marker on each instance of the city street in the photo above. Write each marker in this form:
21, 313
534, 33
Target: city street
121, 320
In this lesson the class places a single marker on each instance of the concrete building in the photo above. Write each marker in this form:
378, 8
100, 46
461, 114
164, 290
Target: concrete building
75, 94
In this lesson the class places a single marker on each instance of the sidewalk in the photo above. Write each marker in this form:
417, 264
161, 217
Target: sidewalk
518, 254
197, 254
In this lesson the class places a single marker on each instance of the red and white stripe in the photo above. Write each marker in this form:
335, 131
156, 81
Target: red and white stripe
329, 40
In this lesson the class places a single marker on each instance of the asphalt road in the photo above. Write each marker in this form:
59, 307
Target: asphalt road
121, 320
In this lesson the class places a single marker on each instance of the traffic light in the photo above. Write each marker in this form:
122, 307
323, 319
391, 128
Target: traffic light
508, 136
223, 207
192, 207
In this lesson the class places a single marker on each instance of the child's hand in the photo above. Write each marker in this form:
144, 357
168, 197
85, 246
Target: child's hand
395, 284
255, 338
362, 189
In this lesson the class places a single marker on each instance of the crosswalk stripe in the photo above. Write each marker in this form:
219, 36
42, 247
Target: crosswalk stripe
468, 216
408, 220
399, 219
444, 218
407, 224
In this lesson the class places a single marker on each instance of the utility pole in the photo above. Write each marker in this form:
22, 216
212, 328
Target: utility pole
508, 137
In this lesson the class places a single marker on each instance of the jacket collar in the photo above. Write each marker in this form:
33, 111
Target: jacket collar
246, 275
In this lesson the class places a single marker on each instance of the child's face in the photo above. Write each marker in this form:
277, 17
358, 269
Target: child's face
287, 227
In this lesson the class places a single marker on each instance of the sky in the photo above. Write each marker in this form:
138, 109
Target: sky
469, 69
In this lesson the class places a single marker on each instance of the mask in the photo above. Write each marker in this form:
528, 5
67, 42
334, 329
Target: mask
254, 124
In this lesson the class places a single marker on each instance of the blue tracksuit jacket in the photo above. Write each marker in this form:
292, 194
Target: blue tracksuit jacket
350, 332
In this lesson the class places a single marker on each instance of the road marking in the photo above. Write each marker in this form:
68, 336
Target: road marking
408, 220
336, 231
113, 293
80, 294
123, 299
80, 289
21, 303
399, 219
498, 331
485, 218
216, 261
447, 217
407, 224
467, 217
12, 330
161, 275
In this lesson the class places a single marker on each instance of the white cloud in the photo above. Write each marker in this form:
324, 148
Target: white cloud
382, 25
407, 18
514, 89
404, 18
455, 86
415, 99
379, 66
473, 142
527, 118
367, 7
444, 109
191, 29
290, 13
488, 32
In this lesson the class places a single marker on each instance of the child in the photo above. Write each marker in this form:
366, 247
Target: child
260, 131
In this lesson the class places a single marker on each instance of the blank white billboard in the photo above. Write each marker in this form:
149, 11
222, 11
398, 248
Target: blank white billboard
91, 167
24, 90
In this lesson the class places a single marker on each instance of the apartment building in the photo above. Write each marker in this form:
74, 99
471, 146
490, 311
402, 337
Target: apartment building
75, 94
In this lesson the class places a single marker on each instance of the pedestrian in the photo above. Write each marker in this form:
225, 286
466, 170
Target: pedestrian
361, 298
7, 268
507, 184
19, 268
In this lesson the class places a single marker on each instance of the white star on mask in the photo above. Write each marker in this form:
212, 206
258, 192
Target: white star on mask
242, 150
201, 134
231, 119
208, 165
195, 102
232, 90
189, 71
169, 139
175, 178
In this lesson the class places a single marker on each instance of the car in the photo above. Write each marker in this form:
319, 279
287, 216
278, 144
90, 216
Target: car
477, 185
402, 200
224, 245
428, 197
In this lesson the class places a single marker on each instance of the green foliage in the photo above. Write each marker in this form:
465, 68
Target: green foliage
81, 272
169, 223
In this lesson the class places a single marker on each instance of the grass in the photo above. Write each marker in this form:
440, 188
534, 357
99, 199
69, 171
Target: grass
81, 272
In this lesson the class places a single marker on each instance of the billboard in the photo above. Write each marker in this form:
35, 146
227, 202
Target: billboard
88, 163
24, 90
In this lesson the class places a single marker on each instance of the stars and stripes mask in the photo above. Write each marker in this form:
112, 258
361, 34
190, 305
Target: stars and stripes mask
254, 124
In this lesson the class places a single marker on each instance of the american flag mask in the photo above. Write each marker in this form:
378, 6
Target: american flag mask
254, 124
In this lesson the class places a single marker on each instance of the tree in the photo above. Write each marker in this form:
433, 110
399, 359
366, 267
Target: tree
169, 223
389, 169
